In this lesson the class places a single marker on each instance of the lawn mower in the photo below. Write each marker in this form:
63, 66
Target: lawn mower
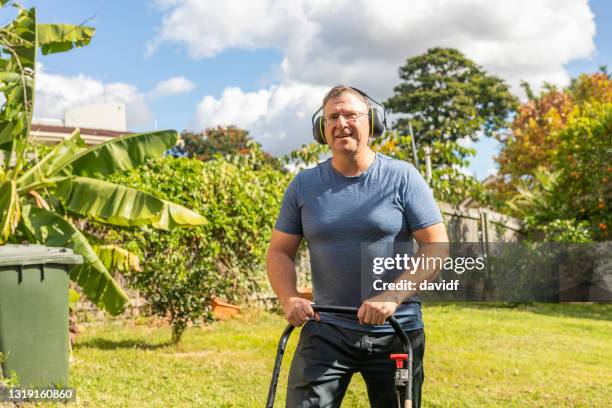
403, 375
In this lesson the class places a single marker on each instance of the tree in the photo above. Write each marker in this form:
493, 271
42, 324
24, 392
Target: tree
588, 87
555, 161
218, 140
534, 138
39, 201
448, 97
532, 141
223, 141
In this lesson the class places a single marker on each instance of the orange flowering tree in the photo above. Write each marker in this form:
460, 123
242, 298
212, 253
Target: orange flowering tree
554, 163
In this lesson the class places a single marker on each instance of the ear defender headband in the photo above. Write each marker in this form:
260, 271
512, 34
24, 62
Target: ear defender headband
377, 121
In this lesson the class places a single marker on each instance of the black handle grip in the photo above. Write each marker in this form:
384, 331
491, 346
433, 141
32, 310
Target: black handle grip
335, 309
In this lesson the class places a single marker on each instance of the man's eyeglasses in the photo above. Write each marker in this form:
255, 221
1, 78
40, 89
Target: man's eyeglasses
352, 117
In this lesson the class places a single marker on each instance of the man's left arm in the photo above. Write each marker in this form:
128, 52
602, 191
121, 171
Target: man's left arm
433, 242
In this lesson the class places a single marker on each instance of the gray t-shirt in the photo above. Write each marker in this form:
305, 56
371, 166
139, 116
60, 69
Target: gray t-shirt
338, 214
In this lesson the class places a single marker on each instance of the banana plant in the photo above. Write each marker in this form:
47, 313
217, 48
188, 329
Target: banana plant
536, 195
39, 202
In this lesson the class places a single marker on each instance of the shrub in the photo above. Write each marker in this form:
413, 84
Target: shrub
185, 268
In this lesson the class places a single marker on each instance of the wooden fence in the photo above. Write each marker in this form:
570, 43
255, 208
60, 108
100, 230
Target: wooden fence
480, 225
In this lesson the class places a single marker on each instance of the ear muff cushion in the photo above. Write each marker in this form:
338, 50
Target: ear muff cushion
318, 131
377, 125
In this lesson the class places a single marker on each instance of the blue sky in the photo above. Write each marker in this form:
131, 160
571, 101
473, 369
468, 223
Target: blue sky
264, 65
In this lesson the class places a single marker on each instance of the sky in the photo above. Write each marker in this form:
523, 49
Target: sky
265, 65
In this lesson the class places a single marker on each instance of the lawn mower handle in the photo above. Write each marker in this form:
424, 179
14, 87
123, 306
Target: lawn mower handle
282, 345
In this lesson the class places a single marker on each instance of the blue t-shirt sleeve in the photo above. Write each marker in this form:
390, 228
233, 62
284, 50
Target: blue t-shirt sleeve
290, 218
420, 208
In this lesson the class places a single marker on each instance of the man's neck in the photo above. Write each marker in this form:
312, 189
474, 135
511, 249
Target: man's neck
353, 165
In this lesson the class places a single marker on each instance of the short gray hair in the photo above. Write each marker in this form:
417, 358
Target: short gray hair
342, 89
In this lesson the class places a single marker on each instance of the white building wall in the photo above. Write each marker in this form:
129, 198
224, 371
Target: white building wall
104, 115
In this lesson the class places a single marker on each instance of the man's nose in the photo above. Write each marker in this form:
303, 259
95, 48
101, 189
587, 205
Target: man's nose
341, 121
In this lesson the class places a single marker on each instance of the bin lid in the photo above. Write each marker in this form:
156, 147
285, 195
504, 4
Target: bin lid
37, 255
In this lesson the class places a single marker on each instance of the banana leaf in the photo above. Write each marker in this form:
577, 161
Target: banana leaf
119, 154
62, 37
55, 160
119, 205
6, 131
16, 112
9, 210
48, 228
9, 77
117, 259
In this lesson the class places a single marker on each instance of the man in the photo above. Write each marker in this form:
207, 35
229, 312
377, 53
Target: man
357, 196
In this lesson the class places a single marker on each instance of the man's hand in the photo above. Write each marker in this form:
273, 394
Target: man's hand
375, 312
297, 310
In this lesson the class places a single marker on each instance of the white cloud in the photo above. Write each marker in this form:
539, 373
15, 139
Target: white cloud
172, 86
56, 93
278, 117
363, 43
208, 28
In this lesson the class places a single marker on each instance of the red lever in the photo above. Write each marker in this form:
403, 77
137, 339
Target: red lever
399, 359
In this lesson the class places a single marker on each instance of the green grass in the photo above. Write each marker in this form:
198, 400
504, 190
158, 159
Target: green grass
476, 356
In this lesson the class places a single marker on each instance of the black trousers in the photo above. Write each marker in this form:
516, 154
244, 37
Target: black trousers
327, 356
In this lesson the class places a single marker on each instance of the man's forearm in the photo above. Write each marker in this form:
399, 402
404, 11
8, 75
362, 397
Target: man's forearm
282, 275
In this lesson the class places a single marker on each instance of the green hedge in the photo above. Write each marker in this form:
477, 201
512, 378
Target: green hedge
185, 268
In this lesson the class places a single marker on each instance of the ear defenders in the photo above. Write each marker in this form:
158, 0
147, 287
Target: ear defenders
377, 121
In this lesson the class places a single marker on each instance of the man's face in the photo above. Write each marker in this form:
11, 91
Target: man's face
345, 120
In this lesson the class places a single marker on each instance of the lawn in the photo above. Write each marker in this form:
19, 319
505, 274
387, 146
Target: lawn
477, 356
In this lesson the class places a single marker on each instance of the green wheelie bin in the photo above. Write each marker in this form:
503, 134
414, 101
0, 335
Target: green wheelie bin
34, 285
